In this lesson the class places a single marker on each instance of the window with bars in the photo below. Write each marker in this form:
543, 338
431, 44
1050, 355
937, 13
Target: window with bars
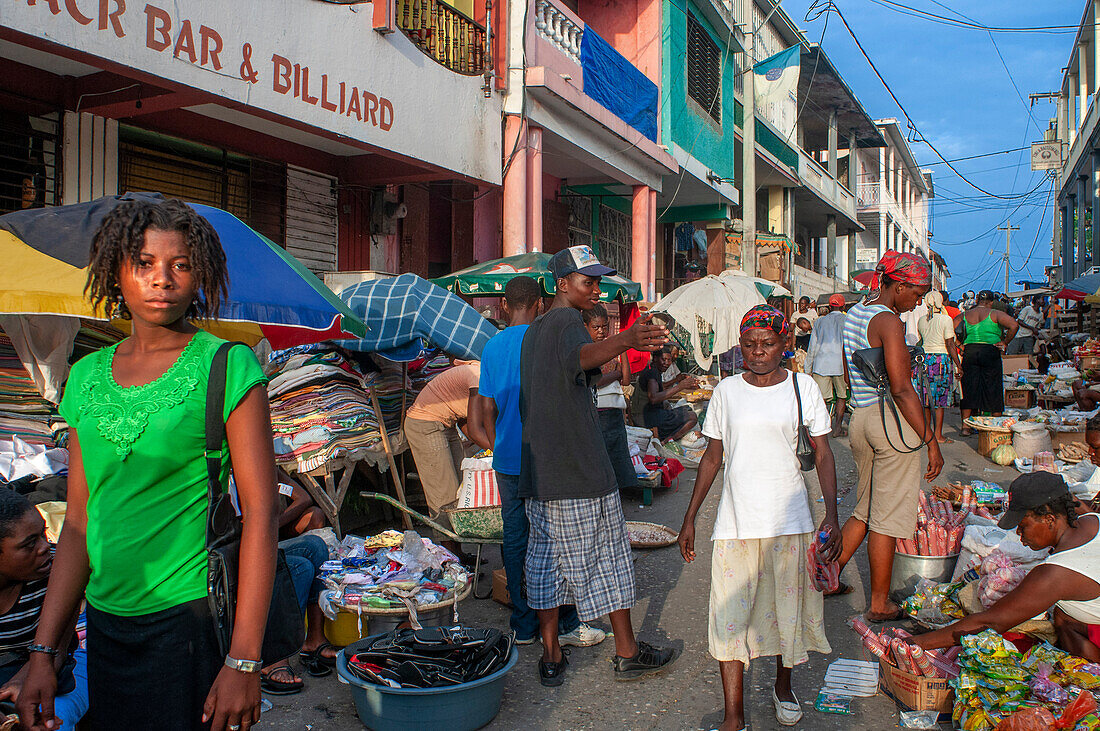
29, 161
704, 69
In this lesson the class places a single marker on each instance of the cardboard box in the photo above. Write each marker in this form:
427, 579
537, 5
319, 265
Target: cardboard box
1061, 438
990, 440
1090, 362
500, 588
916, 692
1019, 398
1012, 363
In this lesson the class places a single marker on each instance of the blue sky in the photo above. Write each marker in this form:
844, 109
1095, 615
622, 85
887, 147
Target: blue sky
961, 98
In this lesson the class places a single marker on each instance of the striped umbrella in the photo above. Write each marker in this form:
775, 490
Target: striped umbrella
1085, 288
271, 294
488, 278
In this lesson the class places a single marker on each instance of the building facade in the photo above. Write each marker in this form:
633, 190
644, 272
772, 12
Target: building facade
1077, 245
316, 123
895, 199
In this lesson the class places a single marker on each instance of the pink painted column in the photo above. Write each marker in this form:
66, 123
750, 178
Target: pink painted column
534, 188
640, 237
515, 186
651, 232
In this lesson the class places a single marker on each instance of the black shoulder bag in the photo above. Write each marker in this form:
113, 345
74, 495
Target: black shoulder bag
285, 629
871, 363
806, 449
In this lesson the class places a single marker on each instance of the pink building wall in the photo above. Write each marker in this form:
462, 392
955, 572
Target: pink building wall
632, 27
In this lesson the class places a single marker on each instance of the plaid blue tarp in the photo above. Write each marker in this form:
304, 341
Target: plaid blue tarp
406, 312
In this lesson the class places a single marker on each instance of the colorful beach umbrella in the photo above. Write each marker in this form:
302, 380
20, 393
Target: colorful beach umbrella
863, 276
488, 278
1085, 288
271, 294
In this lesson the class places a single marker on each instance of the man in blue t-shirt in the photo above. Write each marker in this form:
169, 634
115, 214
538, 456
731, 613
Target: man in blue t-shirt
498, 392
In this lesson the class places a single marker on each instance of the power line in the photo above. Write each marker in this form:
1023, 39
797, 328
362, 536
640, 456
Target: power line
819, 8
972, 25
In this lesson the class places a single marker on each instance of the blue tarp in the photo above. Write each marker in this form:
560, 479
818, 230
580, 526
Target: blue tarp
406, 311
618, 85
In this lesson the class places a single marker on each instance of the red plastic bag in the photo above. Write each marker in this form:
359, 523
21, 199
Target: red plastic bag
1028, 719
1078, 708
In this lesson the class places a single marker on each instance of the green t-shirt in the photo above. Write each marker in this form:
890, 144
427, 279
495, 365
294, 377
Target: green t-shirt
142, 449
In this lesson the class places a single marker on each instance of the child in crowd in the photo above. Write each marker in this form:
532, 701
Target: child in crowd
611, 401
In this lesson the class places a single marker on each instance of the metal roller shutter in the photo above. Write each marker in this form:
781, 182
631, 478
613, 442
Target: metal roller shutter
311, 224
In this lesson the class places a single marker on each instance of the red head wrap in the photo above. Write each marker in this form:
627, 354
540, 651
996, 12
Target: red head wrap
901, 267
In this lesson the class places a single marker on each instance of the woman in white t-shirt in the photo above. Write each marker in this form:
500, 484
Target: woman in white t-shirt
761, 599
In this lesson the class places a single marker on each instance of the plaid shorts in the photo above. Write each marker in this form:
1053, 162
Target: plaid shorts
578, 553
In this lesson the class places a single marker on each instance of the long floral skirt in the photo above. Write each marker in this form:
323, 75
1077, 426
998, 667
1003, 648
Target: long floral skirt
762, 603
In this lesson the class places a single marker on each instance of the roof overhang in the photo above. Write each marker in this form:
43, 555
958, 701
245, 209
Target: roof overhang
822, 90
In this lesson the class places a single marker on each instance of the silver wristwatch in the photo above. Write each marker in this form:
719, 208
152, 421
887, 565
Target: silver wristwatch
245, 666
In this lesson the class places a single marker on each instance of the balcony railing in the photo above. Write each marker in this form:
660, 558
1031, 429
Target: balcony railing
559, 29
868, 194
445, 34
556, 36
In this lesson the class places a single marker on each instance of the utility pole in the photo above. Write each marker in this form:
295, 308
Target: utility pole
1008, 228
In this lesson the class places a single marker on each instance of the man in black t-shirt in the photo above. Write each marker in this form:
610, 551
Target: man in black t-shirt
578, 551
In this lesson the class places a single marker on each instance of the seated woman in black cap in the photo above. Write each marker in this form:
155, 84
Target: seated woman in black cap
1045, 515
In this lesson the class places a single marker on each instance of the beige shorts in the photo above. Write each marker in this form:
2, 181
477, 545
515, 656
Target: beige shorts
886, 498
831, 386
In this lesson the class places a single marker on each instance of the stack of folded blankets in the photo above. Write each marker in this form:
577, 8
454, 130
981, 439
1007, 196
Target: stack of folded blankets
321, 411
23, 411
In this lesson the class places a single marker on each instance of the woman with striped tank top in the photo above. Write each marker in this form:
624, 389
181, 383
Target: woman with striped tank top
889, 480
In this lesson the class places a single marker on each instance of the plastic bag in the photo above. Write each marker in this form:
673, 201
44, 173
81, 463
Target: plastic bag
1028, 719
1046, 690
1081, 706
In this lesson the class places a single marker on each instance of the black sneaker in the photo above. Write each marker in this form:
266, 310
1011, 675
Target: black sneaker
649, 661
552, 674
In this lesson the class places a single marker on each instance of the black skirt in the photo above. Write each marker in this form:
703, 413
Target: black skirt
151, 671
982, 380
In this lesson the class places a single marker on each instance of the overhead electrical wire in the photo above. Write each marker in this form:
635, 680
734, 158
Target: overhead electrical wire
970, 24
821, 7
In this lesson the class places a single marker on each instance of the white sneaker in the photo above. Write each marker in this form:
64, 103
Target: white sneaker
786, 713
583, 636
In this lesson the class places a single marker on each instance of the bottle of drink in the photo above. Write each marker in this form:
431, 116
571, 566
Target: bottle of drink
824, 575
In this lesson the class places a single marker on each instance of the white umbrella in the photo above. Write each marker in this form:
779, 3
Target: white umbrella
718, 301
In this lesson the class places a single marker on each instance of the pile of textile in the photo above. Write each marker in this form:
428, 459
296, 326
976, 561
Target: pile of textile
23, 411
320, 409
391, 570
421, 372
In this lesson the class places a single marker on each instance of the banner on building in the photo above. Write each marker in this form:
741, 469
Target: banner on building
776, 86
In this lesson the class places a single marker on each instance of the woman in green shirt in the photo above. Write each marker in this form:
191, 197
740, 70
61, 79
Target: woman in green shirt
134, 535
988, 331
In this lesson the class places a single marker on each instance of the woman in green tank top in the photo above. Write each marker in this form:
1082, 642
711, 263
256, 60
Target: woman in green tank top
987, 332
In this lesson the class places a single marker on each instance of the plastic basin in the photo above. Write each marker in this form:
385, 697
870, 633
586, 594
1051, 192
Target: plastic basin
462, 707
909, 570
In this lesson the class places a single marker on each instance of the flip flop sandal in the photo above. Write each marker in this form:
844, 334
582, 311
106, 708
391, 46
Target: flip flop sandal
315, 663
897, 615
841, 590
269, 685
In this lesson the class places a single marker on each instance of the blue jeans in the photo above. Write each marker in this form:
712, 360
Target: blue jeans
304, 556
524, 621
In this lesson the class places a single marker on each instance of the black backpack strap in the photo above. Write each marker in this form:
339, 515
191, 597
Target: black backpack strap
215, 423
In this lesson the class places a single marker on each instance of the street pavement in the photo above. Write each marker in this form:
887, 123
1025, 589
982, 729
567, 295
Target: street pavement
671, 609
